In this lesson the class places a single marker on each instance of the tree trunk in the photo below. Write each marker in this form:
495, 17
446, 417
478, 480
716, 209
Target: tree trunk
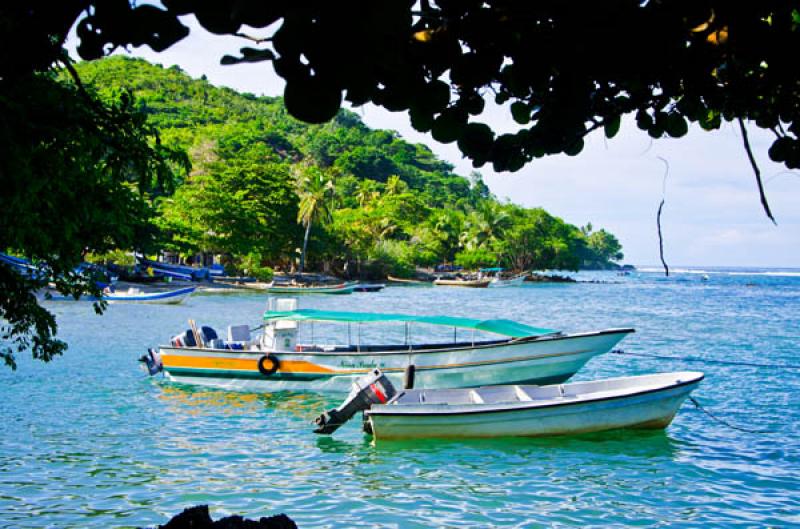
305, 244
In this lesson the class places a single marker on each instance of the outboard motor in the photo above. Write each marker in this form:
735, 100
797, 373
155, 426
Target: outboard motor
153, 361
373, 388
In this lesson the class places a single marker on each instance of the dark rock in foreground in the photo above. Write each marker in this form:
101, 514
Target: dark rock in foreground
199, 518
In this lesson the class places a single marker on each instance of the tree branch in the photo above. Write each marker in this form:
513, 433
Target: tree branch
658, 217
756, 171
257, 40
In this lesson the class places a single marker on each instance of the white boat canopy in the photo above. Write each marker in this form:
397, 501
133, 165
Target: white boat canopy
500, 326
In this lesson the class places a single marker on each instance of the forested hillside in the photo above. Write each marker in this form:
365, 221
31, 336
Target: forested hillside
365, 199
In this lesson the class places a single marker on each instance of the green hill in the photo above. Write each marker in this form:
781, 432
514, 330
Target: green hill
393, 206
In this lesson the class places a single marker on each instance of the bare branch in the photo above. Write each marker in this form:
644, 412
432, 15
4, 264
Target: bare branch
756, 171
257, 40
658, 216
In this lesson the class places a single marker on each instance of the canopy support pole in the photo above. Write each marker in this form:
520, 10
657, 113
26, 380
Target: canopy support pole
312, 332
358, 346
349, 339
473, 337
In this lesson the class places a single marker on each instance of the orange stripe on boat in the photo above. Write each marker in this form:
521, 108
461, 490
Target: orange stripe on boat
241, 364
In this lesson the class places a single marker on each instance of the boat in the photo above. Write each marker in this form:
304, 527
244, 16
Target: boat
471, 283
637, 402
131, 295
369, 287
136, 295
26, 268
186, 273
499, 280
276, 360
22, 266
412, 282
310, 288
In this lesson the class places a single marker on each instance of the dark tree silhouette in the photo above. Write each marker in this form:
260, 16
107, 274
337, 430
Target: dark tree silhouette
562, 69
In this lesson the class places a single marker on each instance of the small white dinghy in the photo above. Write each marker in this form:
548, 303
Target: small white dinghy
646, 402
136, 295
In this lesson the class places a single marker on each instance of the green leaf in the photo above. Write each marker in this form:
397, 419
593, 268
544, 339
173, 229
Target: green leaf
521, 112
611, 126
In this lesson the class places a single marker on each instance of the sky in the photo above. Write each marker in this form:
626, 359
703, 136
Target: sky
712, 215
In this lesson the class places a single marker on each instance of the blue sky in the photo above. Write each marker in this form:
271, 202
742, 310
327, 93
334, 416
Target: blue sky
712, 215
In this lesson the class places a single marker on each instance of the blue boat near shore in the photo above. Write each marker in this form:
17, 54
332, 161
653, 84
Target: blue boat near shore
186, 273
131, 295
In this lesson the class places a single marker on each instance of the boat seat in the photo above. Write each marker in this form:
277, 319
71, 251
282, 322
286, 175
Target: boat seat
238, 333
475, 397
207, 334
522, 395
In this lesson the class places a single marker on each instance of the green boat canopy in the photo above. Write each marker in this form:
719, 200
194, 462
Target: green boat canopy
504, 327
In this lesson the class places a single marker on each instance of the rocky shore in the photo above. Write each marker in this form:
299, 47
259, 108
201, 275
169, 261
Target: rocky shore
199, 518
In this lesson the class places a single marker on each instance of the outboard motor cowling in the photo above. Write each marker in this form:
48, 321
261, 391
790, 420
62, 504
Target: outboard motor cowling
153, 361
373, 388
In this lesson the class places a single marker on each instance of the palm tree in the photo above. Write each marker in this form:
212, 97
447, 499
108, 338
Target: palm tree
485, 225
315, 191
395, 185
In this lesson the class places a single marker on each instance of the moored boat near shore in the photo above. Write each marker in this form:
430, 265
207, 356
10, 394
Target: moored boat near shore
301, 288
131, 295
275, 360
469, 283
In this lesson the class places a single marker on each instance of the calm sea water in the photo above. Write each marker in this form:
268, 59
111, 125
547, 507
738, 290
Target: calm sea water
89, 441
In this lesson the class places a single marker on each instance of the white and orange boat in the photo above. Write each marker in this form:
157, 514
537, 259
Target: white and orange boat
274, 360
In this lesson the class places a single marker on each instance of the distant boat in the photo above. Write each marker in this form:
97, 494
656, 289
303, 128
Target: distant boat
310, 288
640, 402
499, 280
27, 269
20, 265
404, 281
186, 273
471, 283
135, 295
369, 287
132, 295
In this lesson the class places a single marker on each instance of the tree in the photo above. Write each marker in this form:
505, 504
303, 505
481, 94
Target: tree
561, 71
315, 191
77, 175
240, 207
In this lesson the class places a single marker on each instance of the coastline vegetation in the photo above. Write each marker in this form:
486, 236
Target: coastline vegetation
264, 188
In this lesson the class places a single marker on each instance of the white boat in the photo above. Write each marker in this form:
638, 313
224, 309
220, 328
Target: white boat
131, 295
136, 295
499, 282
469, 283
641, 402
275, 360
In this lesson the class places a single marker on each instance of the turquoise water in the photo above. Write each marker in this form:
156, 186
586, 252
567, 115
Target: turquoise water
89, 441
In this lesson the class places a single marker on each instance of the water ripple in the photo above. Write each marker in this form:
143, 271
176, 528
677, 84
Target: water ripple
88, 441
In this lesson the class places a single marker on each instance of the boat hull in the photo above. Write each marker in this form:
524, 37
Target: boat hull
172, 297
344, 288
546, 359
502, 283
652, 408
479, 283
